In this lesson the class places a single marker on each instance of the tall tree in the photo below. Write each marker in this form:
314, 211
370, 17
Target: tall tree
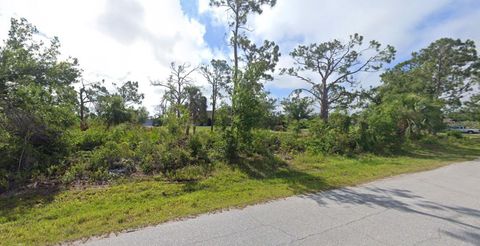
83, 100
470, 111
118, 106
257, 63
473, 108
238, 13
449, 68
197, 107
89, 93
114, 111
141, 115
37, 98
176, 85
297, 107
218, 76
129, 92
335, 65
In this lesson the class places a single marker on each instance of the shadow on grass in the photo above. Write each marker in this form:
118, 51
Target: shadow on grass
193, 186
447, 153
258, 166
274, 169
403, 200
15, 204
468, 148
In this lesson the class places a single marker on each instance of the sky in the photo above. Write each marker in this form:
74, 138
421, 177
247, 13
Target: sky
120, 40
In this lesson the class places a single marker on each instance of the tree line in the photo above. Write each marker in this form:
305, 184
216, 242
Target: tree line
43, 97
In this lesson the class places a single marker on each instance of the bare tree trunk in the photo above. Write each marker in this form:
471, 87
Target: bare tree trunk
324, 110
23, 152
179, 99
83, 123
235, 71
178, 108
213, 115
324, 104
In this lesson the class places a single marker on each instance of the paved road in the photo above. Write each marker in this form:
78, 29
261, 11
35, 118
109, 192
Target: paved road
440, 207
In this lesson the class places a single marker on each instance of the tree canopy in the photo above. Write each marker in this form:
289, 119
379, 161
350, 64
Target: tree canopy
37, 98
335, 64
444, 70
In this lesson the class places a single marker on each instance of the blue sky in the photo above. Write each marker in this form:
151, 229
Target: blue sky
120, 40
421, 24
215, 34
446, 13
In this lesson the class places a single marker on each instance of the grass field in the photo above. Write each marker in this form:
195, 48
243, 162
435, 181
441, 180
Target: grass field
58, 215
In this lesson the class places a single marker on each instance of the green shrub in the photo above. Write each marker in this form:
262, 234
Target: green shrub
291, 143
265, 142
296, 126
114, 156
454, 134
228, 146
377, 130
148, 152
92, 138
335, 137
78, 167
101, 164
429, 139
175, 158
197, 144
188, 173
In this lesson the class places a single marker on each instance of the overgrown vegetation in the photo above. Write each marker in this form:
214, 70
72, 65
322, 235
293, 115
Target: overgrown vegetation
60, 134
48, 216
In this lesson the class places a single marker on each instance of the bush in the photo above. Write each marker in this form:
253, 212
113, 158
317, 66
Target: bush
79, 168
291, 143
228, 146
197, 144
377, 130
91, 138
265, 143
175, 158
188, 173
429, 139
113, 156
296, 126
454, 134
335, 137
174, 153
101, 164
149, 155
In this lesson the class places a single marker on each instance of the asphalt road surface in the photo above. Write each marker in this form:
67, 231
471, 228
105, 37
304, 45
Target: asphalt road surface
439, 207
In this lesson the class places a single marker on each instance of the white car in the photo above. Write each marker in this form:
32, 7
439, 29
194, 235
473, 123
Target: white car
464, 129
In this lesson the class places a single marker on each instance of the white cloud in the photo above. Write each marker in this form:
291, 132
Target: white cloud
117, 39
137, 39
465, 26
203, 6
388, 21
